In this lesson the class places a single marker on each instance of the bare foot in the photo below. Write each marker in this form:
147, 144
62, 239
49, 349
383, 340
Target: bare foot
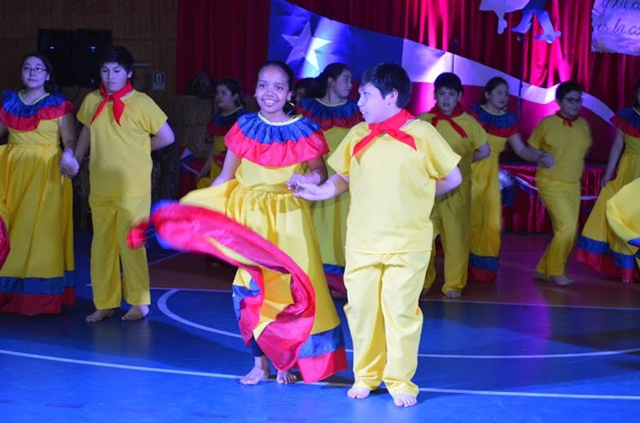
627, 281
404, 400
259, 372
541, 277
561, 280
136, 312
453, 293
358, 393
99, 315
285, 377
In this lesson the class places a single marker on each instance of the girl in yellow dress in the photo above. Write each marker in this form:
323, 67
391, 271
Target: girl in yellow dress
623, 216
336, 115
230, 107
598, 246
486, 219
35, 195
265, 150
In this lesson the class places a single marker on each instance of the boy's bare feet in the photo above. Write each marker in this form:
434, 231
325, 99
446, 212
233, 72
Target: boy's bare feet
453, 293
285, 377
358, 393
541, 277
259, 372
561, 280
136, 312
99, 315
404, 400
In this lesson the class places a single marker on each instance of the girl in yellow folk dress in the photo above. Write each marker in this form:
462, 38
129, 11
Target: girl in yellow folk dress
265, 150
486, 218
598, 246
336, 115
35, 195
623, 216
230, 107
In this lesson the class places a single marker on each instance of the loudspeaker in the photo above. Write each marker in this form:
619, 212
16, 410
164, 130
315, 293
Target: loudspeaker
58, 45
90, 46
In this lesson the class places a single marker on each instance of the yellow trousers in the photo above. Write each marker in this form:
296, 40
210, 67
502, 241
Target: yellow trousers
112, 217
384, 317
451, 218
562, 201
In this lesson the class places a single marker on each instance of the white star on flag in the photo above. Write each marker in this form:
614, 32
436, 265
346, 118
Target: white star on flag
305, 46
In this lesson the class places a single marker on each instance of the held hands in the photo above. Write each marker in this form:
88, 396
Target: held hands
68, 165
546, 160
305, 186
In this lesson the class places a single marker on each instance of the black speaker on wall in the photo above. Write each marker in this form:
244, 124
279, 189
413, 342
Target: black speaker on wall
75, 55
91, 45
59, 45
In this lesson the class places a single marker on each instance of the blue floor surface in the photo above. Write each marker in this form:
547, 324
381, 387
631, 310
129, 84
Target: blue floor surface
479, 362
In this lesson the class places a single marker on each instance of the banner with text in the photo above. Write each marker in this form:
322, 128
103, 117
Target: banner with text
616, 26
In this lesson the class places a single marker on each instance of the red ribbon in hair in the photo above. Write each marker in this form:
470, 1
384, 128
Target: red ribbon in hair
118, 105
565, 120
390, 126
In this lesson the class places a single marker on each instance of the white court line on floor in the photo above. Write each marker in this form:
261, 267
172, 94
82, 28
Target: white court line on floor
164, 308
227, 376
440, 300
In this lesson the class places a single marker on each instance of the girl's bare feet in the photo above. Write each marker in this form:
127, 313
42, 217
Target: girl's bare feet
454, 293
259, 372
286, 377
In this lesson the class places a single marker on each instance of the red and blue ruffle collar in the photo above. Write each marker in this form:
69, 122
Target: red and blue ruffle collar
16, 114
343, 115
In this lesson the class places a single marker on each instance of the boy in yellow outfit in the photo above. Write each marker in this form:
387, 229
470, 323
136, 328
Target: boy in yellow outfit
121, 126
567, 138
394, 166
451, 216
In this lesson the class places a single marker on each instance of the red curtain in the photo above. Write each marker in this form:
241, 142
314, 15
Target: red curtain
229, 38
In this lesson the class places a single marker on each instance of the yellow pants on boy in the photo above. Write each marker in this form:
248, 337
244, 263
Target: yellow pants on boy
451, 218
562, 201
384, 317
112, 217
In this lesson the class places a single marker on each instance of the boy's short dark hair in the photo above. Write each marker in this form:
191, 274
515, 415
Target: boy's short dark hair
119, 55
567, 87
387, 77
449, 80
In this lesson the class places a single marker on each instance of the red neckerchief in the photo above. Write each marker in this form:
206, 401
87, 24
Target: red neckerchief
565, 120
439, 115
118, 105
390, 126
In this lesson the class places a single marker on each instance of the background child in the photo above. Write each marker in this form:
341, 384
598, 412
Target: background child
335, 114
35, 195
486, 219
567, 138
121, 126
451, 215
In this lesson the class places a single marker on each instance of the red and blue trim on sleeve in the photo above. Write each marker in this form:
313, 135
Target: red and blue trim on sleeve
502, 126
15, 114
276, 145
628, 120
345, 115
